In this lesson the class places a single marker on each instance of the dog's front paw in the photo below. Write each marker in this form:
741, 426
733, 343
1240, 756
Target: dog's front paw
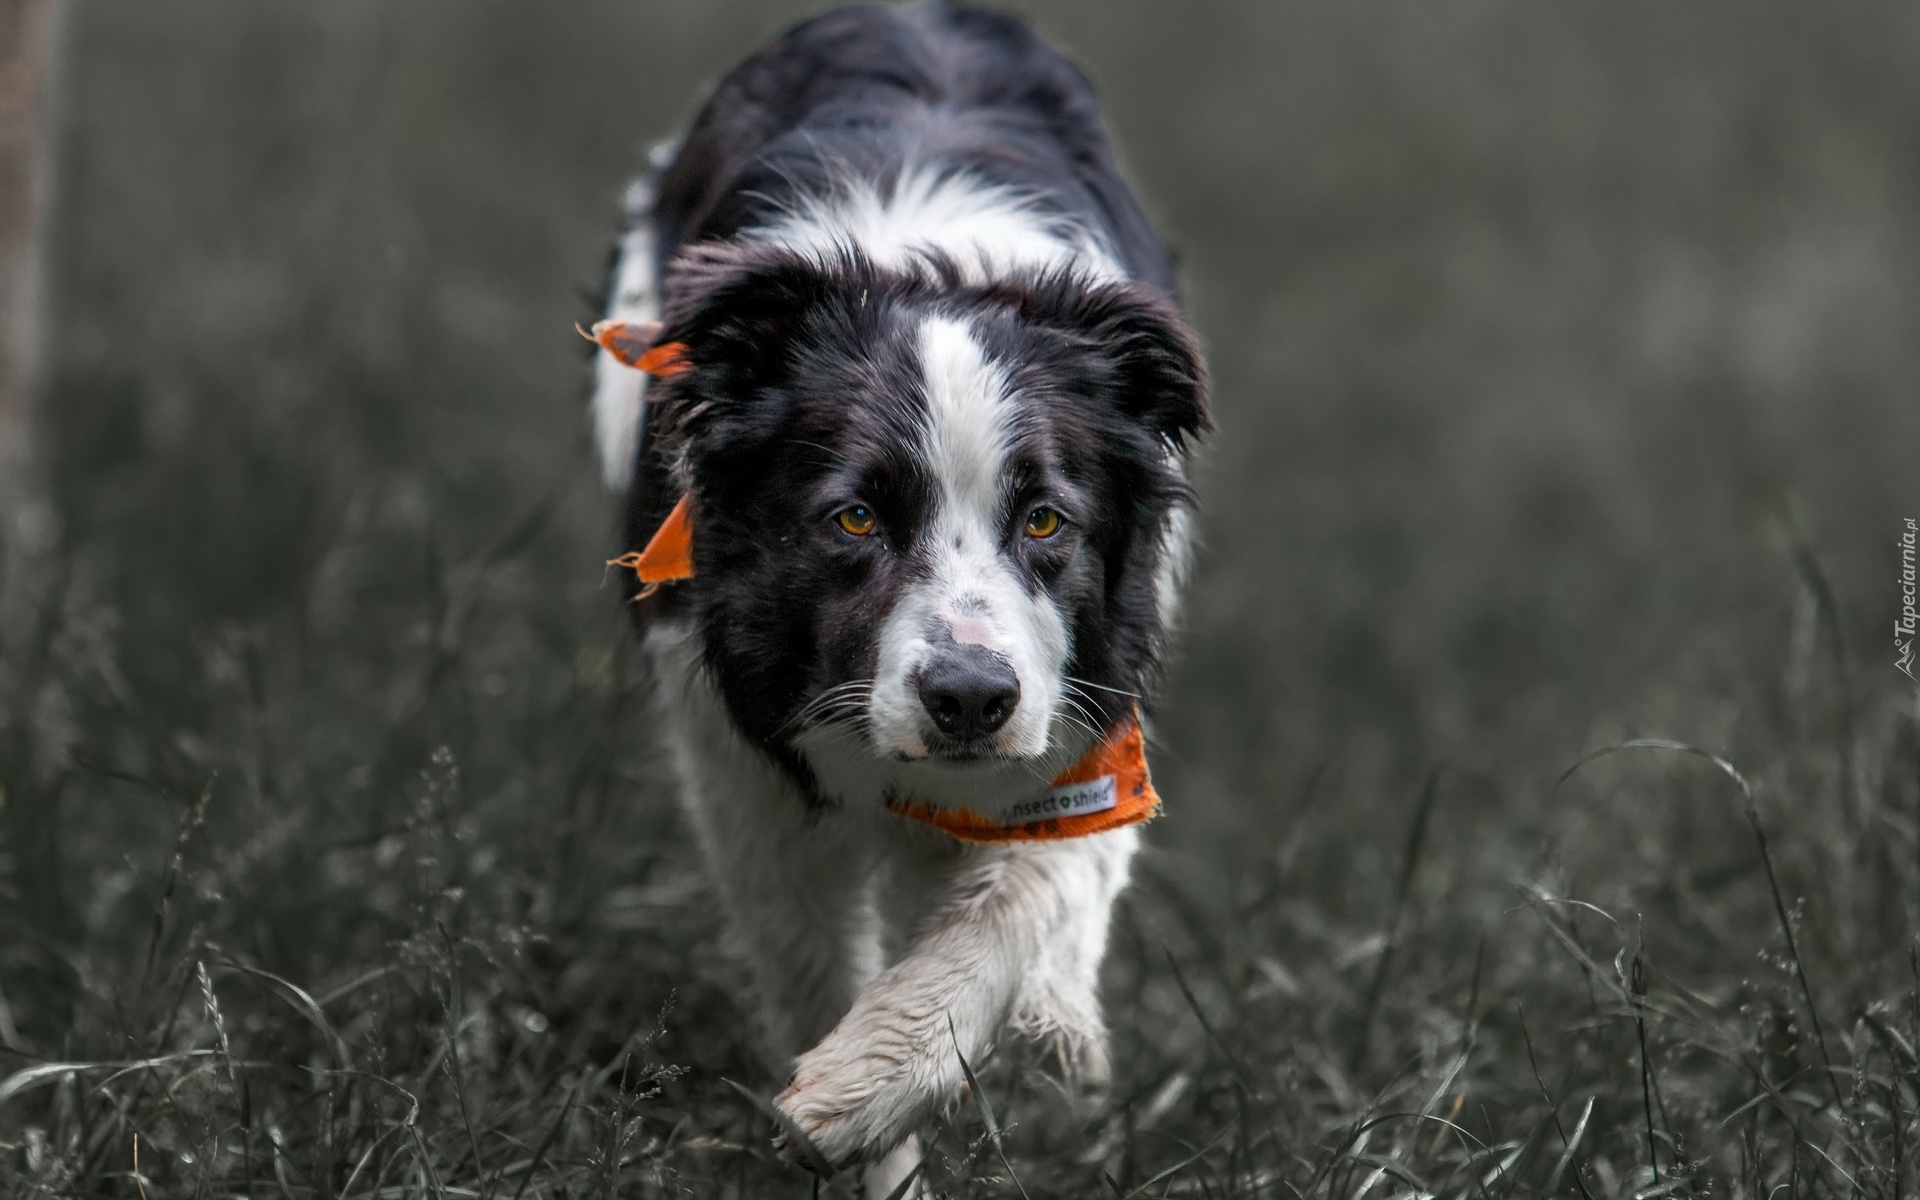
1062, 1029
858, 1094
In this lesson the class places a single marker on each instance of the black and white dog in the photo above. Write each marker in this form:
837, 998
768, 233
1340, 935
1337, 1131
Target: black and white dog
910, 427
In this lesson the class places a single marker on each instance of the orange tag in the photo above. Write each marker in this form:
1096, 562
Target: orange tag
632, 343
669, 552
1105, 790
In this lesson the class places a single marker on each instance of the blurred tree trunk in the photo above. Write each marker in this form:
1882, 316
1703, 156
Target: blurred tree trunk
26, 28
28, 833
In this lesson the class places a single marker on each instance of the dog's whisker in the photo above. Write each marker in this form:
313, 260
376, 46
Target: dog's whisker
1074, 716
848, 696
1079, 682
1088, 719
1086, 703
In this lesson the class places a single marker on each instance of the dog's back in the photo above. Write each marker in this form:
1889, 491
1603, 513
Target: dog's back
871, 92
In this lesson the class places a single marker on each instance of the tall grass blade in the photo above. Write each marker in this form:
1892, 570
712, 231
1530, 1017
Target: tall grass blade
986, 1109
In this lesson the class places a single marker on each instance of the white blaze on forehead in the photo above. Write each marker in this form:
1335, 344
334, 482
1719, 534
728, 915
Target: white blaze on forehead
967, 417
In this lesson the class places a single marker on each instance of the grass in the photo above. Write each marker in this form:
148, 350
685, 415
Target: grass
1544, 814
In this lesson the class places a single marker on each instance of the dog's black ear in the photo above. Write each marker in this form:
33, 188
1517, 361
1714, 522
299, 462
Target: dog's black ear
1160, 378
738, 308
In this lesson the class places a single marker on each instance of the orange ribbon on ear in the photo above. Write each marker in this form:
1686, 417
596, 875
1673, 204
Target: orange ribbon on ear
631, 342
669, 552
666, 360
1107, 789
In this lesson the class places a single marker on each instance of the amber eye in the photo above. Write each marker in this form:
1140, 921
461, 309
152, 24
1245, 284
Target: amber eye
856, 519
1043, 523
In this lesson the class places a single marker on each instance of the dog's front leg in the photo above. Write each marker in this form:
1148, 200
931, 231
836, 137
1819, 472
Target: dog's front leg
794, 882
996, 920
795, 893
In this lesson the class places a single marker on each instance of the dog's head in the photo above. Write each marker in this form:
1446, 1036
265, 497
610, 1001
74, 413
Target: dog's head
938, 517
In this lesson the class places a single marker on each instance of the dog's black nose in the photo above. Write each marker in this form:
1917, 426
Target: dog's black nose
969, 691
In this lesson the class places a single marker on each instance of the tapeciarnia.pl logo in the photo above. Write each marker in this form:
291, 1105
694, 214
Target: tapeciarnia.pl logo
1903, 626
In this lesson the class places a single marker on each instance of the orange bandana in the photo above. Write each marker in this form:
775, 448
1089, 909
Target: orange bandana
1108, 788
669, 553
1105, 790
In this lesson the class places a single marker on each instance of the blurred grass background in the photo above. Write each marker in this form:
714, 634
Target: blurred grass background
1564, 364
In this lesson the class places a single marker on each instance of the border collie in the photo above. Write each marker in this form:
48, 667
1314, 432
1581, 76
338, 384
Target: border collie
898, 391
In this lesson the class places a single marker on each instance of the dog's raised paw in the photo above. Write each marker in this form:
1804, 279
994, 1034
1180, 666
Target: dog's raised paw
856, 1104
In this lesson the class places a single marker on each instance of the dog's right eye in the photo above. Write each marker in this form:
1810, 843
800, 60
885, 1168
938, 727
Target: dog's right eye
856, 519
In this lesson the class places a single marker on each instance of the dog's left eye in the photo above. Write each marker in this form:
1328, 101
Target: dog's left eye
856, 519
1043, 522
